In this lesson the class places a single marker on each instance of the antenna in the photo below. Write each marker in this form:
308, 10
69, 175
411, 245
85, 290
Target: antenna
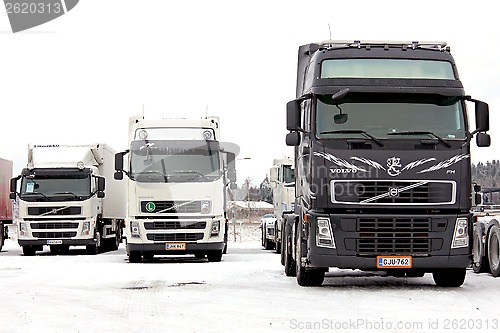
142, 111
206, 112
330, 31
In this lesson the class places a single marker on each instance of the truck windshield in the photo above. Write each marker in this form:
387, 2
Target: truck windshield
60, 187
288, 175
384, 115
175, 161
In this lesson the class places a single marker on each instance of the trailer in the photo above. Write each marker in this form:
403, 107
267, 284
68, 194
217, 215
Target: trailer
68, 197
5, 202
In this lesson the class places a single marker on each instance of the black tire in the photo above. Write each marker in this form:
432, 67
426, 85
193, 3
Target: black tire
214, 256
306, 278
282, 243
480, 261
268, 245
199, 255
114, 243
494, 251
451, 277
55, 249
225, 239
277, 240
92, 249
3, 231
148, 256
277, 247
134, 256
289, 263
28, 251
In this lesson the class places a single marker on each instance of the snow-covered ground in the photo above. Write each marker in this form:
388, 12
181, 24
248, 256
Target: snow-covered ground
246, 292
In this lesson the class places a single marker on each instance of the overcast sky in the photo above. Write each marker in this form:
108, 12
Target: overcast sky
77, 79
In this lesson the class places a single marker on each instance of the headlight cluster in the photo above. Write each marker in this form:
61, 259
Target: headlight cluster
324, 234
461, 234
135, 230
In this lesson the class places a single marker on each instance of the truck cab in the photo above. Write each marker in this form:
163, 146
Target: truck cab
382, 155
62, 200
177, 173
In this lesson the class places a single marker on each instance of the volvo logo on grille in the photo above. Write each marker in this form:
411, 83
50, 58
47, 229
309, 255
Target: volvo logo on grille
393, 192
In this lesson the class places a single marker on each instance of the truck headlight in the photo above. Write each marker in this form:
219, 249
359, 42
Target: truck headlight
461, 234
205, 206
23, 229
215, 228
324, 234
86, 228
135, 229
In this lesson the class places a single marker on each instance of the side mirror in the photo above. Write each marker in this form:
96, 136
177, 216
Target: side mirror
273, 185
12, 195
293, 139
101, 184
483, 140
233, 186
231, 175
293, 115
119, 161
273, 174
118, 175
13, 185
100, 194
482, 117
477, 188
478, 199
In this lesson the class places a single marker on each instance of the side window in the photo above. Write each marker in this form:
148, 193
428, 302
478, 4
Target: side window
305, 110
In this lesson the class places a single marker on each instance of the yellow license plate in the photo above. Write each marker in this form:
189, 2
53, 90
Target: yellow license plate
394, 262
175, 246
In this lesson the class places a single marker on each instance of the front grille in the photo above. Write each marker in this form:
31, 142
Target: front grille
51, 211
53, 225
393, 192
170, 207
172, 225
394, 235
51, 235
175, 237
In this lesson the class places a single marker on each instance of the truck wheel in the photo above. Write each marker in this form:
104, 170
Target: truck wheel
148, 256
268, 245
480, 261
288, 258
306, 278
55, 249
199, 255
28, 250
134, 256
92, 249
214, 256
115, 241
277, 247
494, 251
2, 235
451, 277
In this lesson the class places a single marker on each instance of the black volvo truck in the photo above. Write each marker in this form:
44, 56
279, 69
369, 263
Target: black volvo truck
382, 156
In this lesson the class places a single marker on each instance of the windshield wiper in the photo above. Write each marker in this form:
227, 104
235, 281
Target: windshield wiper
189, 171
67, 192
365, 134
440, 139
37, 193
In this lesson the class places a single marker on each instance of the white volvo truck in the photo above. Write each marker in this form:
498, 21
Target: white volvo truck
62, 200
282, 176
177, 173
